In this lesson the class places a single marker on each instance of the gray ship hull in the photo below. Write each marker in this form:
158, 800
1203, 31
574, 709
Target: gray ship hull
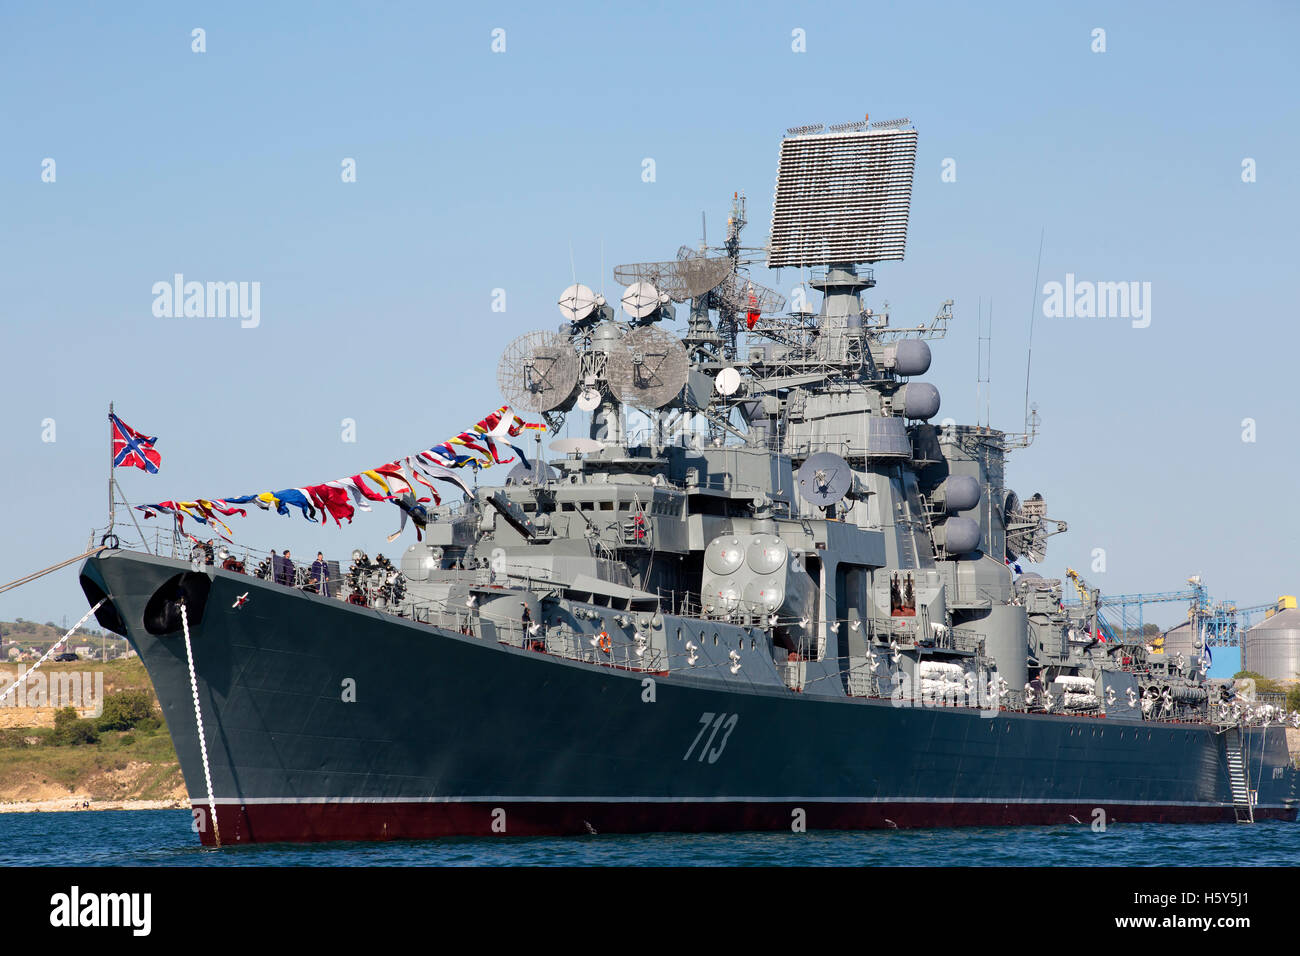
326, 721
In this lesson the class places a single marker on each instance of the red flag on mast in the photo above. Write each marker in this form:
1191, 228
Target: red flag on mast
130, 448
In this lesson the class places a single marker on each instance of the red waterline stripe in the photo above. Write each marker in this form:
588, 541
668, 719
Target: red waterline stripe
320, 822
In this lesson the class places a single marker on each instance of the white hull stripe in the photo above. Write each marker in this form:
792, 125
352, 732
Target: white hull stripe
1094, 801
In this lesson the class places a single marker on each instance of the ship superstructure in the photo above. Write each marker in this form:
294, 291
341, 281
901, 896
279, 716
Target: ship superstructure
768, 584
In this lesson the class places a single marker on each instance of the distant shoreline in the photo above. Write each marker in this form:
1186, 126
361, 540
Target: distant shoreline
72, 804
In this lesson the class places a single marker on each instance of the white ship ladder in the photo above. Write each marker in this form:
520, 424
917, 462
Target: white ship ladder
1241, 802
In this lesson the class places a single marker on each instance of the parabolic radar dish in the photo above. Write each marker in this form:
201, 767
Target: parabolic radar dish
538, 371
648, 368
680, 279
824, 479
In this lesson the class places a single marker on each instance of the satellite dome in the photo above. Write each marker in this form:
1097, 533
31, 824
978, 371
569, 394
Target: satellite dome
958, 535
912, 357
917, 400
958, 493
419, 561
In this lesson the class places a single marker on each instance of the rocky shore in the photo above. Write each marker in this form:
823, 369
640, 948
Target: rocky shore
73, 803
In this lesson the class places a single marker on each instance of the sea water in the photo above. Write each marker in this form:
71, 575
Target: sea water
164, 838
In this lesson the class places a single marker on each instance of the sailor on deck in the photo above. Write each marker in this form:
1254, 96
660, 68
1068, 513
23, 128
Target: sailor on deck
320, 574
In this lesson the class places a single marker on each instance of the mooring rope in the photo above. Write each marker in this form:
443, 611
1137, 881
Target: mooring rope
53, 647
198, 719
52, 568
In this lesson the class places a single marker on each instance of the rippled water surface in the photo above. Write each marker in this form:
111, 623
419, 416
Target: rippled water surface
163, 838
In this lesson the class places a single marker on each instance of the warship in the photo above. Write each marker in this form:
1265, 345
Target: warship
769, 589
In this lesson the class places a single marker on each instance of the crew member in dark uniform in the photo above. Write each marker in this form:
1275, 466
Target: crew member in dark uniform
1036, 688
320, 574
526, 619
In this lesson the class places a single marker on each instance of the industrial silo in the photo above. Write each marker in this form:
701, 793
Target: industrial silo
1181, 640
1272, 647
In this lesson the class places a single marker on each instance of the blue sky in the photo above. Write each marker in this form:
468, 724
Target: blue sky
479, 170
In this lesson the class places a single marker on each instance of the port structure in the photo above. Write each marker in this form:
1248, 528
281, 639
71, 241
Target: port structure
1222, 622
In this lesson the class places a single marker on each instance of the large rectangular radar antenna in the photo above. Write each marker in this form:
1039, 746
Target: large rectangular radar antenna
843, 196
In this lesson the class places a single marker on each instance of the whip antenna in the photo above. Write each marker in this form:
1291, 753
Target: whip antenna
1029, 358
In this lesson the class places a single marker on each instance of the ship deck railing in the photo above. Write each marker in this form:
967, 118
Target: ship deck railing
561, 642
247, 560
555, 640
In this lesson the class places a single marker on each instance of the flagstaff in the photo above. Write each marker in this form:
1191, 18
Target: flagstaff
112, 463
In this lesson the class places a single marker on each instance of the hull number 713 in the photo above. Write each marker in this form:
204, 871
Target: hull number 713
723, 722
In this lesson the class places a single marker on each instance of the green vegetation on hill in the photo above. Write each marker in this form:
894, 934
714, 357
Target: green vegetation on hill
127, 709
145, 758
125, 753
124, 710
71, 729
